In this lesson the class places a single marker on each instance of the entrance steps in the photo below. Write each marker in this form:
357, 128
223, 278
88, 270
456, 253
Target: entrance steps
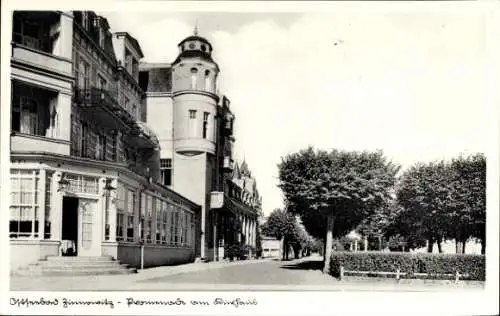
70, 266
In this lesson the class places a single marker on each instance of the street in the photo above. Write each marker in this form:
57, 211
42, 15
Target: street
301, 274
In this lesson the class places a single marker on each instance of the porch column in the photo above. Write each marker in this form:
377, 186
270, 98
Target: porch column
41, 207
56, 211
112, 211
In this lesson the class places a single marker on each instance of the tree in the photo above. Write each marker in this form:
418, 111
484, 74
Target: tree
468, 193
342, 187
424, 194
443, 200
281, 225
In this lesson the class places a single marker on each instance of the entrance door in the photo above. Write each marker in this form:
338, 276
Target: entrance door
87, 241
69, 226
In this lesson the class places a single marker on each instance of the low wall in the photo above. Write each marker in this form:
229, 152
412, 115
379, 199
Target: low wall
154, 255
26, 252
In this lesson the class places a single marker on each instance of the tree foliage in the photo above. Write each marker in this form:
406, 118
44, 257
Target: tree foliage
340, 186
442, 200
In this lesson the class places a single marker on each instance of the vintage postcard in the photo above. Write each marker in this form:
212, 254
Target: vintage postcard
278, 158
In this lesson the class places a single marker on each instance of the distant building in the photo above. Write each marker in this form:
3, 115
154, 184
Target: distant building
271, 247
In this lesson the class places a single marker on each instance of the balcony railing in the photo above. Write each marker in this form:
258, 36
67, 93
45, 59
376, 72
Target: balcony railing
142, 136
100, 106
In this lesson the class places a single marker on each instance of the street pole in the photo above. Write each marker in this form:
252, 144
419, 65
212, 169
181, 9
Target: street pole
142, 255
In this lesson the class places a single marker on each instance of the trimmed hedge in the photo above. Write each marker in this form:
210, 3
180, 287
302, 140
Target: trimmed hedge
411, 263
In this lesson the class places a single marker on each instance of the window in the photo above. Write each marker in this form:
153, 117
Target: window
207, 80
128, 61
127, 104
83, 78
206, 115
164, 213
149, 212
114, 146
203, 47
24, 207
100, 152
194, 72
130, 215
29, 33
84, 128
166, 171
134, 113
159, 212
48, 205
192, 114
101, 82
85, 20
143, 214
172, 224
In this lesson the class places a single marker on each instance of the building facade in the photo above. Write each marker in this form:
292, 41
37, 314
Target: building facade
111, 157
85, 167
194, 125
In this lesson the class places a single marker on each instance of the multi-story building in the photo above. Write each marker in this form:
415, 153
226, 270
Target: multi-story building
194, 125
85, 167
108, 160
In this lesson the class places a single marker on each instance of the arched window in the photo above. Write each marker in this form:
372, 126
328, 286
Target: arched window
194, 72
207, 80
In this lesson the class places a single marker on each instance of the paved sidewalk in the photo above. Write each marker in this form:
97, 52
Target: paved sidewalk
114, 282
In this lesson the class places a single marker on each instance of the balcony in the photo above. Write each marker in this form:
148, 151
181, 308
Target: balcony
142, 136
100, 106
228, 164
38, 58
20, 142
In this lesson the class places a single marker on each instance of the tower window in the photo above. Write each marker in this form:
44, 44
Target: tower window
166, 171
194, 71
192, 114
207, 80
191, 46
205, 123
203, 48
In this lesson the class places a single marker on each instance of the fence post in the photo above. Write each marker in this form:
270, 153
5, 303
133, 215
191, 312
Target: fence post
457, 276
341, 272
397, 274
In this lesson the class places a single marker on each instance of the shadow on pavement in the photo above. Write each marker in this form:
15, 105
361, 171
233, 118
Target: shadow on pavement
305, 265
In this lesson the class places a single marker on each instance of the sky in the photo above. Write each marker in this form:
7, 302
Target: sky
410, 83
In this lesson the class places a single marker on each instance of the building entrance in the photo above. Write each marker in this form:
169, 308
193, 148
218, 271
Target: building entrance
69, 240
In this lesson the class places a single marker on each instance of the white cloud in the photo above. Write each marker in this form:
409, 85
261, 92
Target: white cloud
411, 84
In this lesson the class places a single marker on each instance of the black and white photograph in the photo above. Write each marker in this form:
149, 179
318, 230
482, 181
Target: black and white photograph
252, 149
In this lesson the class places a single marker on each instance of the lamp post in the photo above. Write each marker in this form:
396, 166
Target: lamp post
63, 184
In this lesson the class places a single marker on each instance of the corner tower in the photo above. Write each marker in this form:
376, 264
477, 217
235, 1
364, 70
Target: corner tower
194, 103
194, 75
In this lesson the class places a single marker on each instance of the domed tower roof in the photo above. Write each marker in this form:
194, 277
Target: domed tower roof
195, 46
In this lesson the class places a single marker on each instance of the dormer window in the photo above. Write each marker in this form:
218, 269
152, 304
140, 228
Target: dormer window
203, 48
192, 46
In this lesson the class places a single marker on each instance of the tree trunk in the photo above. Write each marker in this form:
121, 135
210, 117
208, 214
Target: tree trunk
463, 243
457, 246
430, 245
283, 248
380, 243
440, 246
328, 243
483, 246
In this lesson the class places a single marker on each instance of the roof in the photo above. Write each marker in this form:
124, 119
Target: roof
195, 38
133, 41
